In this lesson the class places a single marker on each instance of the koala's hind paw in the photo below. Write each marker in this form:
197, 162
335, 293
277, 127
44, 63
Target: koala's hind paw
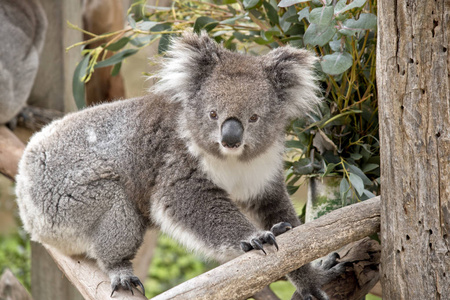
126, 282
313, 276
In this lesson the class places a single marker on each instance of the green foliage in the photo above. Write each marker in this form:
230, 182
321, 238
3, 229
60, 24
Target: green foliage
15, 253
172, 265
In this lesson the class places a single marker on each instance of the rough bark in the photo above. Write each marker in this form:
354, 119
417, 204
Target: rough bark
362, 273
103, 16
11, 288
247, 274
414, 107
90, 281
11, 149
34, 118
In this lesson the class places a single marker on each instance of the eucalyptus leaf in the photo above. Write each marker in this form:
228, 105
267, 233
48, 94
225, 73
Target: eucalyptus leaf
321, 16
161, 27
336, 63
357, 183
147, 25
335, 45
116, 69
286, 3
131, 21
365, 22
272, 13
294, 144
143, 40
116, 58
340, 5
164, 43
303, 167
329, 169
356, 156
292, 189
317, 35
369, 194
119, 44
78, 87
249, 4
206, 23
344, 187
351, 5
231, 21
355, 170
369, 167
320, 2
304, 13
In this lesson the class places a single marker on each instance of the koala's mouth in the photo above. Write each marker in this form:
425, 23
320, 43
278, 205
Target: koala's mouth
231, 150
231, 146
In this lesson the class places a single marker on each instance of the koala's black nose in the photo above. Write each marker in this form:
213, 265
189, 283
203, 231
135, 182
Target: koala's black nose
232, 131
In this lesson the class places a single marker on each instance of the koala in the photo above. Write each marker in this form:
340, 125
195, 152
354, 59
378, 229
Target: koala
200, 158
22, 32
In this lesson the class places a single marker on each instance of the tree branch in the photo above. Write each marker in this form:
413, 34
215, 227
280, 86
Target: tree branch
11, 149
249, 273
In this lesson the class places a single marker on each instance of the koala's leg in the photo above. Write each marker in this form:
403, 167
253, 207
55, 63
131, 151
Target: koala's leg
200, 216
273, 209
116, 239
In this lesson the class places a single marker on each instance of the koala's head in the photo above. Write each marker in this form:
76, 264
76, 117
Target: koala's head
235, 104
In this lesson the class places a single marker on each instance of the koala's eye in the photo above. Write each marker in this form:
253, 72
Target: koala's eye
254, 118
213, 115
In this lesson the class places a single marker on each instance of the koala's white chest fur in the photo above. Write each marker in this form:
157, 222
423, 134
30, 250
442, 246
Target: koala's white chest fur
244, 181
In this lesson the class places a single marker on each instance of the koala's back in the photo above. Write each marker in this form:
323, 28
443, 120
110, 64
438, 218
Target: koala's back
81, 167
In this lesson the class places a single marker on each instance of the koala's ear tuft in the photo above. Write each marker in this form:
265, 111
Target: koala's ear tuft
189, 60
291, 71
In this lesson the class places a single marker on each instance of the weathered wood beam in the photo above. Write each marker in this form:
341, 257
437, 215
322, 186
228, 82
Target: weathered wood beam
11, 288
249, 273
90, 281
11, 149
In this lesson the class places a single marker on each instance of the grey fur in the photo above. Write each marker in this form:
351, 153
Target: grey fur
22, 33
95, 180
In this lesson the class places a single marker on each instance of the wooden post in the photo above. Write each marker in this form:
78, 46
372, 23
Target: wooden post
53, 83
53, 89
414, 107
47, 281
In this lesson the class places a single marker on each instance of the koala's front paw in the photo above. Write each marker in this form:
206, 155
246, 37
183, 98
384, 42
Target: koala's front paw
126, 282
257, 241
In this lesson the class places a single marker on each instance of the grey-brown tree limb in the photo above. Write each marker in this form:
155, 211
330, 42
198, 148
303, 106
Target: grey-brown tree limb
249, 273
11, 149
11, 288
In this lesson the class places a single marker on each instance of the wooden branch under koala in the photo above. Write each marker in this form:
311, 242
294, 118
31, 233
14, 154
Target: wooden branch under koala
247, 274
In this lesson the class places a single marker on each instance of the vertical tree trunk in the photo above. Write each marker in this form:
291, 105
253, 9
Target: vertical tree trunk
413, 88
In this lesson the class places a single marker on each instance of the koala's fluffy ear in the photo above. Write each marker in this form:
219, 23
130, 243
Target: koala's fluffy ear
291, 72
189, 60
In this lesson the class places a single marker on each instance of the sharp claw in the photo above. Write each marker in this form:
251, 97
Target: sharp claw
139, 283
129, 287
272, 241
258, 245
114, 289
246, 246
